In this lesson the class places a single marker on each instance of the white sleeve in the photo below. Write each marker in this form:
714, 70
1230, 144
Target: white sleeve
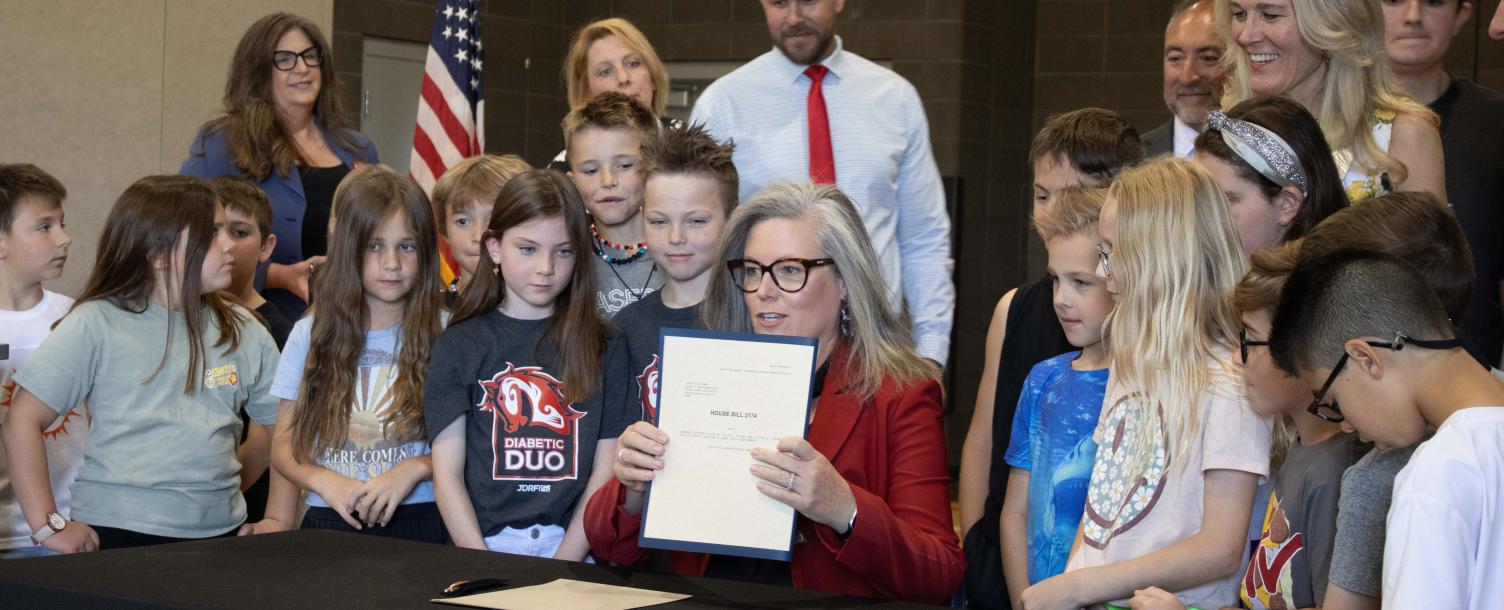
924, 238
289, 379
1430, 541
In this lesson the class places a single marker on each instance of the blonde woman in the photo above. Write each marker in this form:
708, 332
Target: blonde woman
869, 484
613, 55
1328, 55
1180, 452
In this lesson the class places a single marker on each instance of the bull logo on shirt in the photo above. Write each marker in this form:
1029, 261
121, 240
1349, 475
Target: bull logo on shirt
647, 391
533, 427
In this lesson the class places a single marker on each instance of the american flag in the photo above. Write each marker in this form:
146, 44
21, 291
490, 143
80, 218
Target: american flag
451, 107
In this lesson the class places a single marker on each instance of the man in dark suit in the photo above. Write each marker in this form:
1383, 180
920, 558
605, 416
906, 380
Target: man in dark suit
1193, 77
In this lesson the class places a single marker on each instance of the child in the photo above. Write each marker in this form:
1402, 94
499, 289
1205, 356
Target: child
1051, 450
691, 187
1082, 147
1291, 562
33, 248
1179, 451
462, 200
350, 429
161, 340
521, 403
1392, 368
604, 144
249, 213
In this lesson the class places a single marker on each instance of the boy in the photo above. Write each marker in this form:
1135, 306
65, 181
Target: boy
1051, 451
603, 143
462, 201
1082, 147
690, 191
1391, 369
249, 216
33, 248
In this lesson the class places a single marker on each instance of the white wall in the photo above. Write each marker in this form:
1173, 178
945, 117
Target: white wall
102, 92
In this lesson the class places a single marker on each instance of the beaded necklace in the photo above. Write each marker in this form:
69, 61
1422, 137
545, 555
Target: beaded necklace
634, 253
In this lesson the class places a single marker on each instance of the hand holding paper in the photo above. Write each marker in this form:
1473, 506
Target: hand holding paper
818, 491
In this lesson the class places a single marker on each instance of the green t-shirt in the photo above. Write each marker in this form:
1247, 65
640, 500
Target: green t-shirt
158, 461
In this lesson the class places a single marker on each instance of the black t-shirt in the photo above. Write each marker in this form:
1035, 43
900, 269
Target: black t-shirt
528, 453
638, 325
318, 194
1471, 133
276, 323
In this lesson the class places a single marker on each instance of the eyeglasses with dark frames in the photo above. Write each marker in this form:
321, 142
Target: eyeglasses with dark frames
1103, 252
287, 60
1244, 343
1329, 411
789, 274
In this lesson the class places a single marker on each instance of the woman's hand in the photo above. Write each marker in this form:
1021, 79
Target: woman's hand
797, 475
381, 495
1050, 594
293, 278
1154, 598
639, 453
75, 537
341, 493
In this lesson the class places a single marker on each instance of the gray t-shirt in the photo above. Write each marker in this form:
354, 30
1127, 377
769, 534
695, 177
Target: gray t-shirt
639, 324
1367, 489
1290, 564
528, 452
620, 285
158, 461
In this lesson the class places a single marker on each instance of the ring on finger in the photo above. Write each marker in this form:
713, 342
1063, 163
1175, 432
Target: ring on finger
621, 456
790, 485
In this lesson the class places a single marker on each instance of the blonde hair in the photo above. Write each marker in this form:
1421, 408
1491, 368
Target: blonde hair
1075, 210
577, 74
1359, 85
1176, 259
477, 178
882, 349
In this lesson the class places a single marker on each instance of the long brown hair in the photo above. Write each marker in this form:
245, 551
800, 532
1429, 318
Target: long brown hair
576, 330
368, 197
146, 223
259, 143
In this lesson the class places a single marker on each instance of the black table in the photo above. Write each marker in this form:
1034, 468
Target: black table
325, 569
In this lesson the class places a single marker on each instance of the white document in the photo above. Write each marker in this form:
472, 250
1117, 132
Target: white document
565, 593
719, 398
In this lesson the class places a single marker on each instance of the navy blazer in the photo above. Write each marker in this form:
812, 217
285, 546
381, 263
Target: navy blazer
210, 157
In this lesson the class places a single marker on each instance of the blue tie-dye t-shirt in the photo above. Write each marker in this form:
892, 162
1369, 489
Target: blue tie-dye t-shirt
1057, 412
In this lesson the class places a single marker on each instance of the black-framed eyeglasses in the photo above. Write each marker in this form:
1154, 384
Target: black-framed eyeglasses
287, 60
1244, 343
1329, 411
789, 274
1105, 254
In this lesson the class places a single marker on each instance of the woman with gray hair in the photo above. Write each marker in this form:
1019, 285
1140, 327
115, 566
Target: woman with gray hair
870, 482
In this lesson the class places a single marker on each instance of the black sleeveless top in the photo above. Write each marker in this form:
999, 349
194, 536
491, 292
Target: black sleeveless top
1033, 336
318, 193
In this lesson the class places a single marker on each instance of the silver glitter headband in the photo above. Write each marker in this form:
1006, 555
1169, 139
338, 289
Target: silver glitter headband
1266, 152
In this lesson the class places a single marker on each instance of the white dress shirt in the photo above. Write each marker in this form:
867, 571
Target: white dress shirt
881, 141
1185, 139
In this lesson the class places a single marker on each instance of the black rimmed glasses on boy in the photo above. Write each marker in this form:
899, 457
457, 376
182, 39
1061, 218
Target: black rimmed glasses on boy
1329, 411
789, 274
287, 60
1244, 343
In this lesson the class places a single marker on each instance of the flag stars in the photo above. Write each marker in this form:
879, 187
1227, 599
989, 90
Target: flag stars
463, 14
461, 55
448, 12
464, 34
475, 63
474, 83
448, 32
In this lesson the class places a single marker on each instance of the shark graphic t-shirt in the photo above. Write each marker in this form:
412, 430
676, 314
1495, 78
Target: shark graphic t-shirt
528, 450
369, 449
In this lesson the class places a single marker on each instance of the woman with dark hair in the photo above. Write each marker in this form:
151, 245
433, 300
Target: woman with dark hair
869, 483
284, 127
1272, 161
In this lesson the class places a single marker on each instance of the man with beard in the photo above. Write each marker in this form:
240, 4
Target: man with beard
1417, 36
1193, 78
808, 110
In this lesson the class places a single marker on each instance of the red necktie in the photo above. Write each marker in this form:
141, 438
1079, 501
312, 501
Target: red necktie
822, 162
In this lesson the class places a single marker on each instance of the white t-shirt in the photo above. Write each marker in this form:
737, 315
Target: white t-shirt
1126, 519
1444, 539
367, 452
64, 438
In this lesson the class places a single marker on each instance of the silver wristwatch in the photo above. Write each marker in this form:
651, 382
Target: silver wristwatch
55, 523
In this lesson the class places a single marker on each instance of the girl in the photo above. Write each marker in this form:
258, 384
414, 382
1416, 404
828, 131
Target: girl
1179, 451
525, 400
351, 425
162, 259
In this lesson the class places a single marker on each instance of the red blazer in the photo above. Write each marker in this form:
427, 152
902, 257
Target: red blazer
891, 450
